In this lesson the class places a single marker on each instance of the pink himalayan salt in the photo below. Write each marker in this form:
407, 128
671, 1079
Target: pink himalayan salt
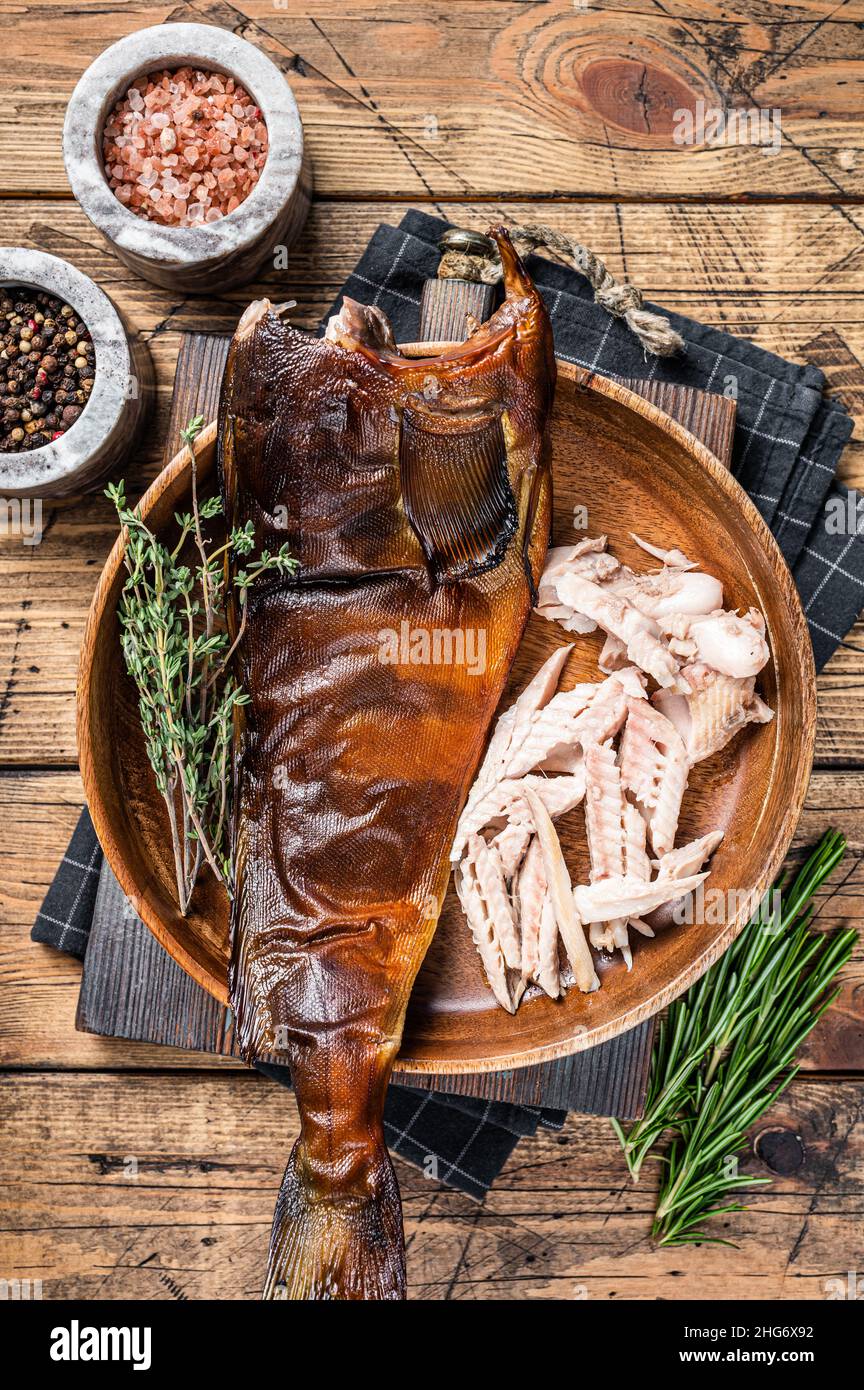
184, 148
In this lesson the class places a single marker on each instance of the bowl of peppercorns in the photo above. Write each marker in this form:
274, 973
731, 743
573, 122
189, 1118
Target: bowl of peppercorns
74, 387
184, 146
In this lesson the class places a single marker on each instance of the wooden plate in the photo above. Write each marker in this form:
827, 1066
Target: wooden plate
634, 469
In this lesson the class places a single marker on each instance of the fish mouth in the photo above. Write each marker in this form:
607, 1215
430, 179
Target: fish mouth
256, 311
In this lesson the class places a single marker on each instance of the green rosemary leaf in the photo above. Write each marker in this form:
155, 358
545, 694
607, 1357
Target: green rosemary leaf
726, 1051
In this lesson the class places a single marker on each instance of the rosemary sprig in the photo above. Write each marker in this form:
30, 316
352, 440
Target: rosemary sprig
726, 1050
177, 650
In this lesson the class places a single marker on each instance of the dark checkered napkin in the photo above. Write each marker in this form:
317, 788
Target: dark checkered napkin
66, 916
787, 447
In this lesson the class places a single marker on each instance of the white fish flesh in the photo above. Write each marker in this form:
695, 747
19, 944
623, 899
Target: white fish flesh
511, 842
505, 988
680, 863
616, 841
613, 656
552, 750
638, 865
589, 713
618, 617
675, 559
506, 799
731, 644
671, 591
612, 936
588, 558
561, 893
489, 872
538, 925
510, 724
604, 812
612, 898
654, 767
712, 710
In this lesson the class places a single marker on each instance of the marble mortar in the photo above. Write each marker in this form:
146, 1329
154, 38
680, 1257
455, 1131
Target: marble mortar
108, 426
219, 254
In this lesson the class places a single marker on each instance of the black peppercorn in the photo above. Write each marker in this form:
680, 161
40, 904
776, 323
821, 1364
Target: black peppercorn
46, 369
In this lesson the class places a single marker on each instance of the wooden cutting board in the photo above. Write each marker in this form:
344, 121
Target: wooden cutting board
132, 989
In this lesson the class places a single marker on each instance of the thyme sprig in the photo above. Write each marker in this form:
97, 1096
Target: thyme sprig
726, 1051
178, 651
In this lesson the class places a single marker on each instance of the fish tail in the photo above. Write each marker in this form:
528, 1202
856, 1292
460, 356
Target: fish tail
332, 1244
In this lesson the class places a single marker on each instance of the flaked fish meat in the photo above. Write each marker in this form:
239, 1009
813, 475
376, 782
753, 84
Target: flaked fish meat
631, 755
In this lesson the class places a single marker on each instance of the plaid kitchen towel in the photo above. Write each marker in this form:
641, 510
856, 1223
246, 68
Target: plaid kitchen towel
787, 447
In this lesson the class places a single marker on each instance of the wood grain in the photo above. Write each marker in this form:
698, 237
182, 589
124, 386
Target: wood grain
168, 1007
151, 1187
407, 97
789, 277
496, 97
131, 988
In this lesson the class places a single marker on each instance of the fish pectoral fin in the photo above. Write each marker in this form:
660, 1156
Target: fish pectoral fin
456, 491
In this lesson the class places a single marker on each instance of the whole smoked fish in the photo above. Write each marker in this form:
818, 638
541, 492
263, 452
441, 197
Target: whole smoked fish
416, 495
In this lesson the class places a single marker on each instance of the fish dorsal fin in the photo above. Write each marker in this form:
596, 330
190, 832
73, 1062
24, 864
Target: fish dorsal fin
456, 490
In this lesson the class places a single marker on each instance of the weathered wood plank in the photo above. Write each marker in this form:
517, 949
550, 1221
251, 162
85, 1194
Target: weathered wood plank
405, 98
163, 1187
409, 99
39, 988
778, 275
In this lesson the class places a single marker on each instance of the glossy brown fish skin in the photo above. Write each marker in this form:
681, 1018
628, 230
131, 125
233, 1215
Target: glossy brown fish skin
380, 472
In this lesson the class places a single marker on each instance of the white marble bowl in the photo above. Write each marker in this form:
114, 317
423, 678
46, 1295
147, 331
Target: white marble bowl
220, 254
109, 424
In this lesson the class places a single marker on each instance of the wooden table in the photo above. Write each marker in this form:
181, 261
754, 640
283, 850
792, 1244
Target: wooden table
145, 1173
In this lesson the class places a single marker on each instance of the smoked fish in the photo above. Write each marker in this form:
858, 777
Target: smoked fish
416, 496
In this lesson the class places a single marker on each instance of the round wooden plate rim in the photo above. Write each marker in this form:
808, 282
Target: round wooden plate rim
588, 1037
